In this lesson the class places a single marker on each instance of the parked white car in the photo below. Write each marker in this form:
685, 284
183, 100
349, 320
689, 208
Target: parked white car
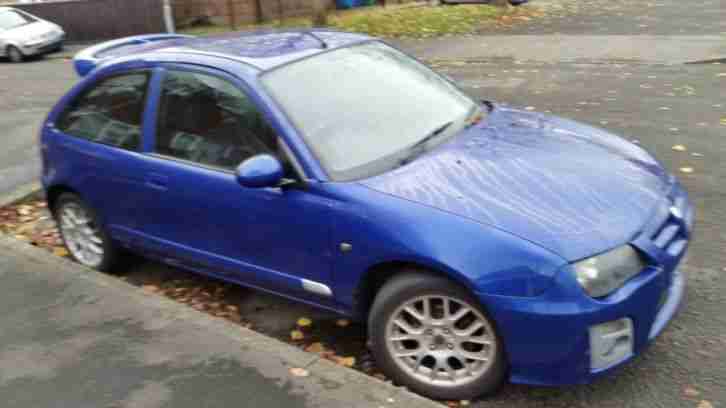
23, 34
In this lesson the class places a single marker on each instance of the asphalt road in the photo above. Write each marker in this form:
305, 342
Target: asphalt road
27, 92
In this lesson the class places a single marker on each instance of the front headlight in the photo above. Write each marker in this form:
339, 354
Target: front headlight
605, 273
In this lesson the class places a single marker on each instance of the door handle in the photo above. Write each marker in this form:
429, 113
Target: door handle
157, 181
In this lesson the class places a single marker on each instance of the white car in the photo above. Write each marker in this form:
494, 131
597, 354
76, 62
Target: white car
22, 35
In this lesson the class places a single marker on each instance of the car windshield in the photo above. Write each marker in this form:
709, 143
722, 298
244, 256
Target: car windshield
11, 19
366, 109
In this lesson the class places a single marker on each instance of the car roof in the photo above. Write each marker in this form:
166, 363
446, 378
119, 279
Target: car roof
263, 50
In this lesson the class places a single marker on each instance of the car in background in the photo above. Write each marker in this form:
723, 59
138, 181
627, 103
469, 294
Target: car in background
23, 35
478, 241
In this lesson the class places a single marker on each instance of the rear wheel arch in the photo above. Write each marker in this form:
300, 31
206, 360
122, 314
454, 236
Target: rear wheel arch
52, 194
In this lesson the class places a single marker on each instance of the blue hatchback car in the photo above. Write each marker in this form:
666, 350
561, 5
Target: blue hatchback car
480, 243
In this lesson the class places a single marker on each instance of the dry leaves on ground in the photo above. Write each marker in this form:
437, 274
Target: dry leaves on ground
297, 335
342, 322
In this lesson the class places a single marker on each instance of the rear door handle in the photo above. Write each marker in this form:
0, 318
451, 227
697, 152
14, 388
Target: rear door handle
157, 181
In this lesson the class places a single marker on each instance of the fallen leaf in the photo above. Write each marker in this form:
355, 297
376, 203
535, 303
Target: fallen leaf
686, 169
679, 148
344, 361
342, 322
60, 251
297, 335
705, 404
690, 392
315, 348
304, 322
299, 372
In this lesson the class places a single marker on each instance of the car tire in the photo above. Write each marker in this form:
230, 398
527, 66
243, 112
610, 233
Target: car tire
83, 234
432, 356
14, 54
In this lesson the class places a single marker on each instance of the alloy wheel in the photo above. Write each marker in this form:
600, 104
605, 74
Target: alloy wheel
81, 234
441, 340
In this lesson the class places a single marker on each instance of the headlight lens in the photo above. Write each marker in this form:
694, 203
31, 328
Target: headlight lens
605, 273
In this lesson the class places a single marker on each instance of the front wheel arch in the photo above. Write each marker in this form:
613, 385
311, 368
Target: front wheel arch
8, 50
373, 279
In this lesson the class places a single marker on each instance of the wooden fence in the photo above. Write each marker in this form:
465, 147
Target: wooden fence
92, 20
246, 11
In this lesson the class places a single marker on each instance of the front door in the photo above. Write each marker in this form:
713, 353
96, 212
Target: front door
199, 216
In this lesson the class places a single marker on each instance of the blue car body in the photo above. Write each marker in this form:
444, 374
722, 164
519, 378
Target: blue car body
504, 208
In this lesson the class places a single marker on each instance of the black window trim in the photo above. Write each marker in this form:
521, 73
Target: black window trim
85, 91
202, 70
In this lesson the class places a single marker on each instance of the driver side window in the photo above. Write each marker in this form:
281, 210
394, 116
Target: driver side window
208, 120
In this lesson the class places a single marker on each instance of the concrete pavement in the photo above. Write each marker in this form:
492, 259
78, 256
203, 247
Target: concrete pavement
662, 32
648, 49
72, 337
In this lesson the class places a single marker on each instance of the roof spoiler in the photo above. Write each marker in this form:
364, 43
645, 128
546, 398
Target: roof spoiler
88, 59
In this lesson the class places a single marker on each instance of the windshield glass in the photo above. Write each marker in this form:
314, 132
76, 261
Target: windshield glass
366, 109
11, 19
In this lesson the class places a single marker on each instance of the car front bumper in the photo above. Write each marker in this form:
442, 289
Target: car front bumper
548, 338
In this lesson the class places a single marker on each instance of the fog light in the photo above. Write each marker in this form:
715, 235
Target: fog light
610, 343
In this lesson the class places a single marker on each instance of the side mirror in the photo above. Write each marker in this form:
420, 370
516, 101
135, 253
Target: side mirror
260, 171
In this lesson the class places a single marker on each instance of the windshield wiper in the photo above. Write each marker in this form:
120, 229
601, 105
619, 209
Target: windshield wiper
415, 149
